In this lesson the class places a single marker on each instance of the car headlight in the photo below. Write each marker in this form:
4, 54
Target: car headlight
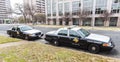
106, 44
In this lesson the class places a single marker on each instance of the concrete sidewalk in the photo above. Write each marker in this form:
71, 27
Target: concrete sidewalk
85, 27
13, 44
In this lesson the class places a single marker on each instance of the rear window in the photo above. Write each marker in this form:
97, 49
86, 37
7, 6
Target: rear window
63, 32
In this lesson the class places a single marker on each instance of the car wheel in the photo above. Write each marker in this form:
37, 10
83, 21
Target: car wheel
56, 43
93, 48
11, 35
26, 38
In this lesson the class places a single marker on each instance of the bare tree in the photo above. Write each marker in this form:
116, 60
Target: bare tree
106, 16
31, 12
83, 14
20, 10
40, 17
67, 17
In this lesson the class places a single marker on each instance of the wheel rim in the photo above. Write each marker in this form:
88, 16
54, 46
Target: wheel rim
93, 48
26, 37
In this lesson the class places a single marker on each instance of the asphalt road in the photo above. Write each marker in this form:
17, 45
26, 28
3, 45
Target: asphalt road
115, 35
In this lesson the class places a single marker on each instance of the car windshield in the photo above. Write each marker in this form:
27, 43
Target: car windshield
84, 32
26, 28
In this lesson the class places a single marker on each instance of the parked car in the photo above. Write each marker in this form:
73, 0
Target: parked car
25, 32
80, 37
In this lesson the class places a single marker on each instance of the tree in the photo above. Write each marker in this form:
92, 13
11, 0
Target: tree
83, 14
20, 10
30, 9
67, 17
106, 16
40, 17
21, 19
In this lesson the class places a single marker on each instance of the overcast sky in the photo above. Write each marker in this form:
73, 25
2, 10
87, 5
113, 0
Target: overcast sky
15, 1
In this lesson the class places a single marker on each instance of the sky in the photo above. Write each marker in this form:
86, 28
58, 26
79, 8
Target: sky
15, 1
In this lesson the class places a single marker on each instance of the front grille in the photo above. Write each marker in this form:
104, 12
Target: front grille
38, 33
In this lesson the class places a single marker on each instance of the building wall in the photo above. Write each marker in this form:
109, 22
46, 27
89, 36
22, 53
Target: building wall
95, 6
39, 5
4, 8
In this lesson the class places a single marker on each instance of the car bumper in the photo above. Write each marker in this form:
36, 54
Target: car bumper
36, 36
109, 48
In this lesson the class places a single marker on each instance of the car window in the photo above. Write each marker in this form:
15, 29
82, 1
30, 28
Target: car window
14, 28
63, 32
73, 34
18, 29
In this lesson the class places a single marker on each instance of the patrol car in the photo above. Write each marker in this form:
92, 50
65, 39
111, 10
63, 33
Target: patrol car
25, 32
80, 37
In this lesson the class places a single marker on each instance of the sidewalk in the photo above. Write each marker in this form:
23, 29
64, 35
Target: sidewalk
13, 44
85, 27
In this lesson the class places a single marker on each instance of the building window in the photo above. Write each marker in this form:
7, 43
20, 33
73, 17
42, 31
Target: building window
66, 7
48, 7
54, 21
60, 22
88, 5
75, 21
99, 22
75, 7
60, 9
54, 7
113, 21
116, 6
101, 6
87, 22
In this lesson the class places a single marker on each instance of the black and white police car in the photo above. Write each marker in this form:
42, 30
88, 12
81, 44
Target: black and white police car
80, 37
25, 32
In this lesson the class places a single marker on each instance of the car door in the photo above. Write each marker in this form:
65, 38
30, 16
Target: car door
13, 31
75, 38
20, 33
63, 36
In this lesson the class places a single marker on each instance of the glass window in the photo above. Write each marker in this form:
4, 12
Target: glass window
83, 32
113, 21
63, 32
67, 9
73, 34
88, 5
48, 7
99, 22
54, 7
116, 6
75, 7
101, 6
60, 9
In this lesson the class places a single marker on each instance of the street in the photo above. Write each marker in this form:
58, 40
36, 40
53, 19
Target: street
113, 34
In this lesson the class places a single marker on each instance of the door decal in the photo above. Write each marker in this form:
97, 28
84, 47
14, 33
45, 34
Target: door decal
18, 33
76, 40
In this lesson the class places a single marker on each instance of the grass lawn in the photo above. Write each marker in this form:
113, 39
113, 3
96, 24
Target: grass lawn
4, 39
36, 52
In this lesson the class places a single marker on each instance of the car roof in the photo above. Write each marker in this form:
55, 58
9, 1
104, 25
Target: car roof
70, 28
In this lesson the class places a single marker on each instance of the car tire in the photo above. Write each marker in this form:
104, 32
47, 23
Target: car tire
11, 35
94, 48
26, 38
56, 43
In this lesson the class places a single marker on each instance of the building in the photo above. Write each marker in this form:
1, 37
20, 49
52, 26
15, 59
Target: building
38, 4
5, 16
56, 10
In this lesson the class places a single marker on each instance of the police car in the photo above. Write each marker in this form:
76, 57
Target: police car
80, 37
25, 32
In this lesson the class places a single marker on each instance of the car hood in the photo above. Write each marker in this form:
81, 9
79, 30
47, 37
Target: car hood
99, 38
51, 32
32, 31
